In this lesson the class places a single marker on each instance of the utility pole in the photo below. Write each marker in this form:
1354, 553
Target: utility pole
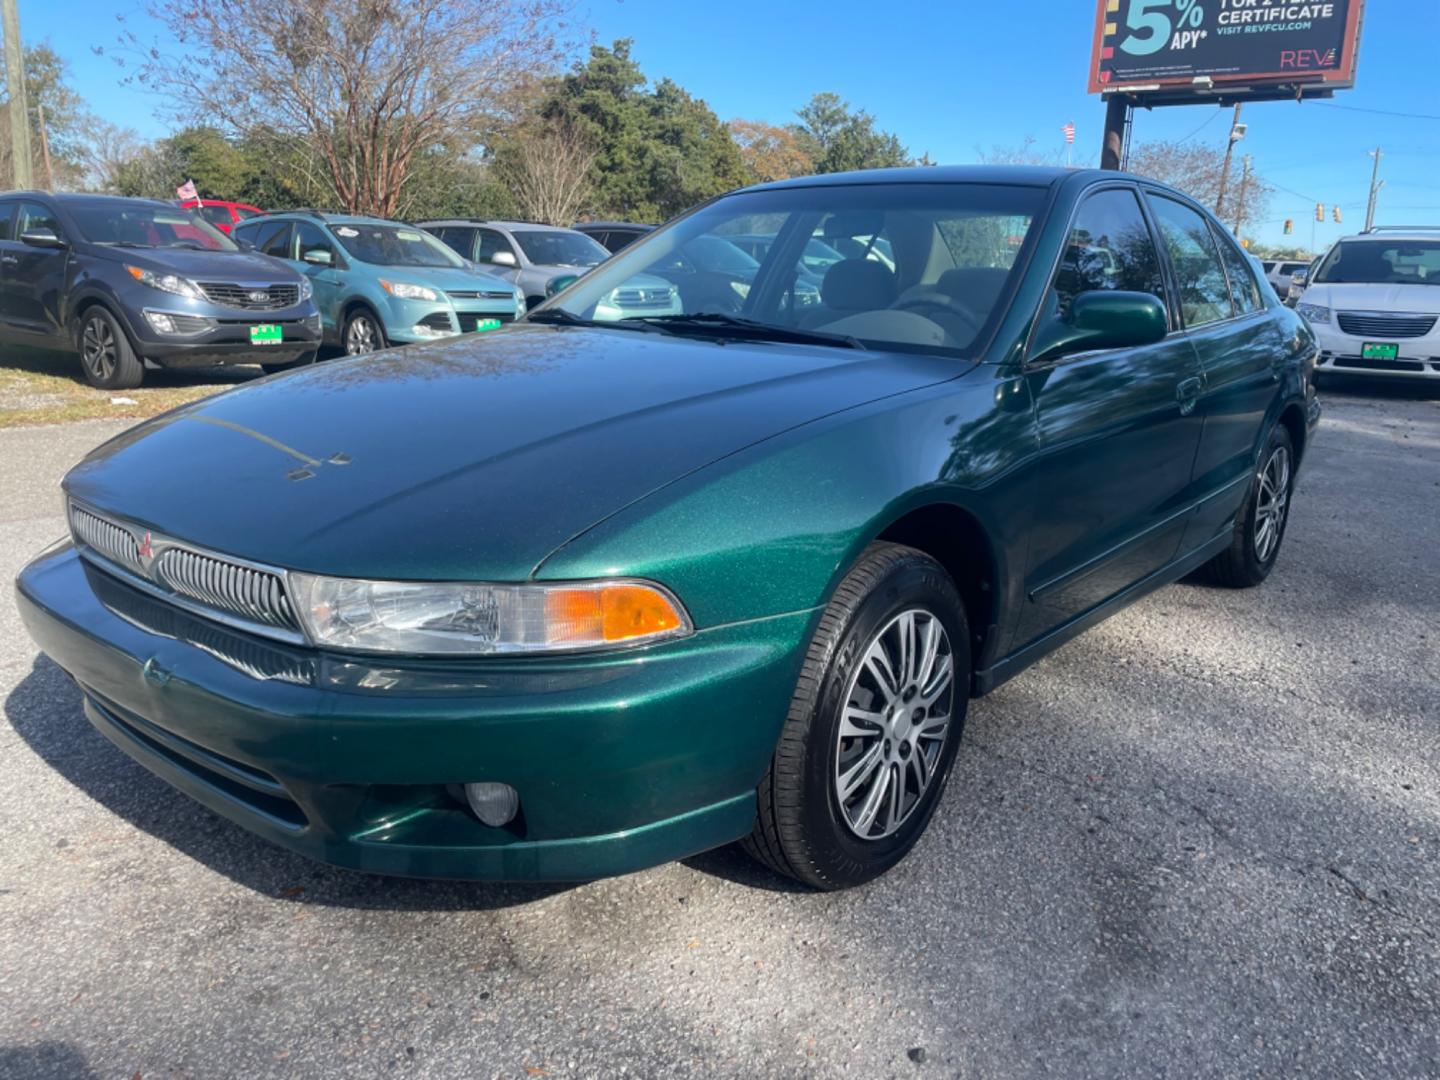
19, 107
1117, 114
1244, 192
1375, 185
1236, 134
45, 148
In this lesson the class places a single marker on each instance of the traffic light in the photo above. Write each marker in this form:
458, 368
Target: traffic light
1337, 215
1319, 211
1289, 226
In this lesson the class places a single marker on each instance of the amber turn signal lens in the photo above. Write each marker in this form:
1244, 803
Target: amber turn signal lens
608, 613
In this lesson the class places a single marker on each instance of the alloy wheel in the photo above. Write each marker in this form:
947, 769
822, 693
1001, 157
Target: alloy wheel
97, 349
895, 722
1272, 499
361, 336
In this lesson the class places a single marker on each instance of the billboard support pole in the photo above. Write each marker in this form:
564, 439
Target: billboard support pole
1117, 118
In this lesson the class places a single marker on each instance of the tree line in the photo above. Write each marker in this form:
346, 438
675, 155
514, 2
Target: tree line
446, 107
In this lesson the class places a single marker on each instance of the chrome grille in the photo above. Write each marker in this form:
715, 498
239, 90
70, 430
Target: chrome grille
105, 538
250, 297
228, 590
251, 594
1383, 324
473, 294
643, 298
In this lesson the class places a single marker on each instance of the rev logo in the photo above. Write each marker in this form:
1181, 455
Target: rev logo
1306, 59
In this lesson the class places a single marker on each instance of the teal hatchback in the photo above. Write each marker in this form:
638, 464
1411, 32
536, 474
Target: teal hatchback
380, 283
611, 588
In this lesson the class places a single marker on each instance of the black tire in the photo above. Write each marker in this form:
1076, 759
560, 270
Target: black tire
304, 361
1248, 560
804, 830
106, 356
352, 339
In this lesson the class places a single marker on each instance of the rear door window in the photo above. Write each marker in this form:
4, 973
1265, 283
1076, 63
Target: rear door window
461, 239
1199, 274
273, 238
7, 219
492, 242
1244, 292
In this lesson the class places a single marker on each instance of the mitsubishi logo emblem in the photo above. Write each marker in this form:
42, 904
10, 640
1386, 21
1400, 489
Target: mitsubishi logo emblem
146, 551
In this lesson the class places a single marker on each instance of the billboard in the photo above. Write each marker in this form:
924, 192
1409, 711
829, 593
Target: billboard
1160, 45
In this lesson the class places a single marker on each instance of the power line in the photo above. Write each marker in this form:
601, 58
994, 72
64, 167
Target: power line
1199, 129
1376, 112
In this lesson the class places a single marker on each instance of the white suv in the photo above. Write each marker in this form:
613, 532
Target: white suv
1374, 304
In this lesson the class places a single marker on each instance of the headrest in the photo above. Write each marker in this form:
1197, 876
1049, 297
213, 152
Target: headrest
858, 285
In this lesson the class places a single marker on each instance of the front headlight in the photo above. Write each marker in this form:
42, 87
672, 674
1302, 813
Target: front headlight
426, 619
306, 289
1313, 312
406, 291
171, 283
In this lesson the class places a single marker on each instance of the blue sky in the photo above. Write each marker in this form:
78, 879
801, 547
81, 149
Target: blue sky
950, 77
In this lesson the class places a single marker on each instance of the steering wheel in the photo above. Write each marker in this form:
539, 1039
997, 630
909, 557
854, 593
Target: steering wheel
936, 301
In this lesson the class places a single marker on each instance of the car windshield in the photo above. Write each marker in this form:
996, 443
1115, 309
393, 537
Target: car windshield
899, 266
394, 245
553, 247
140, 226
1381, 262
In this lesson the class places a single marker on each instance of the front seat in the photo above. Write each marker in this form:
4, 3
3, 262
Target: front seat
852, 285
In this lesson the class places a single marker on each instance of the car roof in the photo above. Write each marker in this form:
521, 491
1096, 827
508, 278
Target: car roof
328, 217
581, 226
1394, 232
85, 198
1020, 175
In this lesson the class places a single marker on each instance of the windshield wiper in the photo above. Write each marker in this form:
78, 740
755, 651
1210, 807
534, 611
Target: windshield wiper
720, 324
561, 317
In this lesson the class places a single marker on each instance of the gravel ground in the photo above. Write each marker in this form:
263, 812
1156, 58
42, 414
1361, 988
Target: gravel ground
1202, 840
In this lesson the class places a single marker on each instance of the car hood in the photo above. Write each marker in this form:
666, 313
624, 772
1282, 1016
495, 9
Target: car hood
470, 459
1385, 297
440, 277
241, 266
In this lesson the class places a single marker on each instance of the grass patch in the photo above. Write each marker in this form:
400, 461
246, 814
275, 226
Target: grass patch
38, 386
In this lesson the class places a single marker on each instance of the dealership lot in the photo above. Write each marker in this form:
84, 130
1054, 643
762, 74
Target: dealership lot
1200, 840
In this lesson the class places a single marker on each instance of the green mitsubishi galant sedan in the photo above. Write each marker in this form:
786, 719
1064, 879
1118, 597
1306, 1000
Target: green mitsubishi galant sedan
609, 588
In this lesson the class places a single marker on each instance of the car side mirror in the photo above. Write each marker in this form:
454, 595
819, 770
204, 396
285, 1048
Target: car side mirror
504, 258
560, 281
1103, 319
318, 257
41, 238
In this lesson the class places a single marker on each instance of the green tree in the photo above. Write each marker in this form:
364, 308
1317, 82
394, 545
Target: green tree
660, 150
66, 120
839, 140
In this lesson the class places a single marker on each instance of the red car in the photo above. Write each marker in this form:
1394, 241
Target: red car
223, 215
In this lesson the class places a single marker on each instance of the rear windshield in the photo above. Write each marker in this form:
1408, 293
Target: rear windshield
142, 226
394, 245
1382, 262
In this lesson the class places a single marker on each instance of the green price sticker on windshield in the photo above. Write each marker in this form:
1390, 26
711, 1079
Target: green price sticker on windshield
266, 334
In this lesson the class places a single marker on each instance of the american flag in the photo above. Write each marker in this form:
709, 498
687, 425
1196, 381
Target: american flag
187, 191
1069, 130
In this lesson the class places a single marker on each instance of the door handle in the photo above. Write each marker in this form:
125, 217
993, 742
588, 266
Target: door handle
8, 259
1187, 392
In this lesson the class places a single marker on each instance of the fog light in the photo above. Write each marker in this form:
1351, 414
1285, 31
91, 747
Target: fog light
160, 321
494, 804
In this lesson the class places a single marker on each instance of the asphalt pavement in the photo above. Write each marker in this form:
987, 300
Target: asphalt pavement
1203, 840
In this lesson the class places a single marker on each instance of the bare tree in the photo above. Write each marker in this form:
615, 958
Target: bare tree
547, 166
1024, 154
106, 150
1195, 169
366, 86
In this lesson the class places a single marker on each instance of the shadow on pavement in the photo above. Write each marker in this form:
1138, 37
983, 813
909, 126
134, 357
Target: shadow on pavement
38, 1061
1383, 388
44, 710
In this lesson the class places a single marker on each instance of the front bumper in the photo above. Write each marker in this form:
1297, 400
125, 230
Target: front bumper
410, 322
1340, 354
227, 339
621, 761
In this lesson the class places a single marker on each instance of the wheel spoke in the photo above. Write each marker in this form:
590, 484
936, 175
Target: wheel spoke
882, 672
934, 727
873, 801
897, 797
929, 653
939, 682
858, 723
857, 774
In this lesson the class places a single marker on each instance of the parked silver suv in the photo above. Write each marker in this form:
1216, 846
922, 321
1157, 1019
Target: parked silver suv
527, 254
